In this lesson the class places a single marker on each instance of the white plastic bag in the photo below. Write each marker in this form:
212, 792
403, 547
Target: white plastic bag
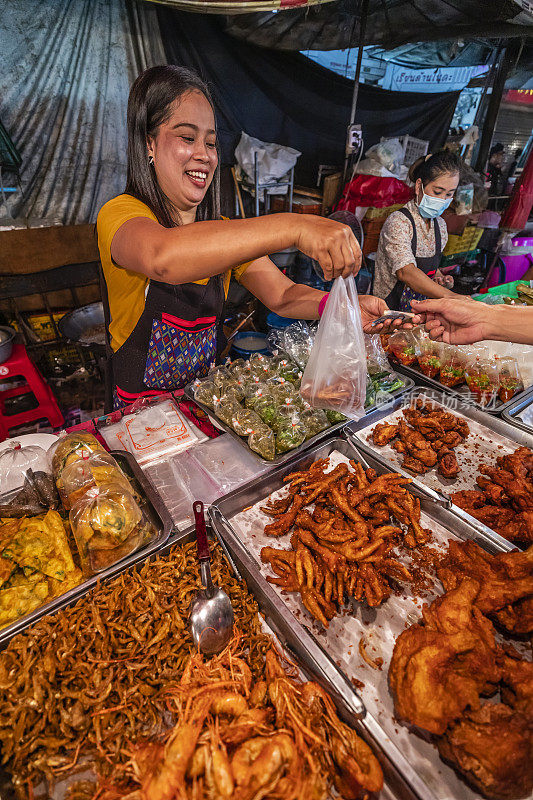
273, 161
335, 375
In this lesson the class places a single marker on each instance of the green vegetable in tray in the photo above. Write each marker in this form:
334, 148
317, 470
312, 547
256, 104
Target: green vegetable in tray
290, 437
254, 392
207, 393
226, 410
231, 390
218, 375
245, 421
262, 441
291, 373
266, 408
334, 417
286, 415
315, 421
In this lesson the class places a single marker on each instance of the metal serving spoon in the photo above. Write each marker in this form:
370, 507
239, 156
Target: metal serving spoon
211, 610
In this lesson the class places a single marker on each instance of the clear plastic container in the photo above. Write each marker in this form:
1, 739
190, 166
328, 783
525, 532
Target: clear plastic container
108, 525
482, 379
26, 483
429, 360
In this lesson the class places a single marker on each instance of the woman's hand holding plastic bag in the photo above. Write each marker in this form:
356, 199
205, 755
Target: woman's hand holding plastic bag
335, 375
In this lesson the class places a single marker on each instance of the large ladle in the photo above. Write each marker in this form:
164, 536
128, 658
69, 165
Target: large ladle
211, 610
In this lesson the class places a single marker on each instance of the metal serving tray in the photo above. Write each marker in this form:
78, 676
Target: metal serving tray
516, 408
462, 392
284, 457
154, 507
399, 767
497, 427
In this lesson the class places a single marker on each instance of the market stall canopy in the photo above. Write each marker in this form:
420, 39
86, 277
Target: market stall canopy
390, 24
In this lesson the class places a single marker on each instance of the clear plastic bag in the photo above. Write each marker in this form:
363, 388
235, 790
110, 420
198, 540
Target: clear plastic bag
72, 447
108, 525
96, 470
335, 375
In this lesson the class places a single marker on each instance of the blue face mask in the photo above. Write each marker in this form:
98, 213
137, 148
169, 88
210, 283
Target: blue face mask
431, 207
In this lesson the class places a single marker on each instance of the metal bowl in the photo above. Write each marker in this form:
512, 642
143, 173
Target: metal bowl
7, 335
85, 325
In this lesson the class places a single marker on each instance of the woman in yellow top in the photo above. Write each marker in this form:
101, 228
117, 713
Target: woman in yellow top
168, 257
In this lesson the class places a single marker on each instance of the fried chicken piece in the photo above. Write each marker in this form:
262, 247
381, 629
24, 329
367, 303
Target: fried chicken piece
448, 466
493, 748
494, 493
414, 465
504, 579
451, 438
468, 499
519, 490
440, 669
517, 691
399, 446
517, 618
384, 433
519, 528
519, 463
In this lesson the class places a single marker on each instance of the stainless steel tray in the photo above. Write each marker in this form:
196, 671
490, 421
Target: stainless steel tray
519, 404
462, 392
305, 646
493, 425
282, 459
155, 509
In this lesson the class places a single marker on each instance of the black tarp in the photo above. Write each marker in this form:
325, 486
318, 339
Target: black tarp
289, 99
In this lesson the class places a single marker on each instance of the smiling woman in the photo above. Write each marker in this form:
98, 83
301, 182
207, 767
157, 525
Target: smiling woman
168, 257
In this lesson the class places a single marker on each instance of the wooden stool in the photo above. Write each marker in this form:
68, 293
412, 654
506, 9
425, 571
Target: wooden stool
19, 365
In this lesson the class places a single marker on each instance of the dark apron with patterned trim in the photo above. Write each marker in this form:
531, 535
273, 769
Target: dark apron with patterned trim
401, 295
173, 342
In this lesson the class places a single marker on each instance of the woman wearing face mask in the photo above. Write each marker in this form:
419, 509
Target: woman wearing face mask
412, 239
168, 257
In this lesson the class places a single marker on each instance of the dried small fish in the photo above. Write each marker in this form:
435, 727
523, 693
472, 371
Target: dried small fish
82, 682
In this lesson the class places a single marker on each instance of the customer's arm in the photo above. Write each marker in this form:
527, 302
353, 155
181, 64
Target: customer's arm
462, 321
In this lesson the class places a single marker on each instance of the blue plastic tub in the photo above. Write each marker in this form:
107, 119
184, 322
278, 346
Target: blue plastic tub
247, 343
275, 322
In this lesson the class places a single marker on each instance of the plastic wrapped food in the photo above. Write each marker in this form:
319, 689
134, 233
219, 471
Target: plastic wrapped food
287, 415
290, 437
226, 410
452, 366
283, 392
96, 470
296, 341
26, 484
267, 409
254, 392
108, 525
238, 368
428, 355
481, 378
315, 421
402, 345
206, 392
510, 380
376, 359
244, 421
335, 375
291, 372
218, 375
334, 417
72, 447
263, 441
232, 390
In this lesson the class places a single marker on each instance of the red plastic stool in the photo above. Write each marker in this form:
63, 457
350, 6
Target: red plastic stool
19, 365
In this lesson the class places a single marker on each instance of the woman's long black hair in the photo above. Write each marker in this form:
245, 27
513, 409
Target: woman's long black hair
149, 105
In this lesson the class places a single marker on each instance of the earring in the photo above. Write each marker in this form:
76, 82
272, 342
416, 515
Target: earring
151, 160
